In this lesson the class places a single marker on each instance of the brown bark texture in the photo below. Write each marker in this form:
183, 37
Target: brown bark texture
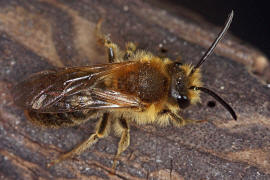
37, 35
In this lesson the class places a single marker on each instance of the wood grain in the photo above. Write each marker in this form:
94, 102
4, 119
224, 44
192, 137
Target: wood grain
47, 34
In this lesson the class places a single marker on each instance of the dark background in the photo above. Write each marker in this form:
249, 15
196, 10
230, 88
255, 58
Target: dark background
251, 21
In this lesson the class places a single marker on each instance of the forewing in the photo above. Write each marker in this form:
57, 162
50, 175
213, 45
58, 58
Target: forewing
72, 89
94, 98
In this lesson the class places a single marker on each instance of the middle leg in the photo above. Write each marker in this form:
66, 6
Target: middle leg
113, 51
123, 129
130, 50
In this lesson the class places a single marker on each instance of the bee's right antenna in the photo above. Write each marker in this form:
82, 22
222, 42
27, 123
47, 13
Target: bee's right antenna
214, 44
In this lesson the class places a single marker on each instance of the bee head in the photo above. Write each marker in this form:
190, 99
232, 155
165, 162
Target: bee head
181, 82
179, 86
185, 86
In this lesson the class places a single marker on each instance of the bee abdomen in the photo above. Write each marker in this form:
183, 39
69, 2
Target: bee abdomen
55, 120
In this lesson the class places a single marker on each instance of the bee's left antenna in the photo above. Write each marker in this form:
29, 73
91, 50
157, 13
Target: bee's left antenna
214, 44
219, 99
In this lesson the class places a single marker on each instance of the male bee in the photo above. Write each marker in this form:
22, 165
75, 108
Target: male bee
133, 86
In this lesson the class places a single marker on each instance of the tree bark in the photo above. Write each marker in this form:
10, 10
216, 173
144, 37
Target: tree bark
49, 34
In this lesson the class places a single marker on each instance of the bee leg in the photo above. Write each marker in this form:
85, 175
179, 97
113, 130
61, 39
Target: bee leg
180, 121
113, 51
124, 141
130, 49
102, 130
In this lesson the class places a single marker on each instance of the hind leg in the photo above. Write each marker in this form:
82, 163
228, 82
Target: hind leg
102, 130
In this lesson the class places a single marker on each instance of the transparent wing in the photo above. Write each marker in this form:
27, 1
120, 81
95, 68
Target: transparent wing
73, 89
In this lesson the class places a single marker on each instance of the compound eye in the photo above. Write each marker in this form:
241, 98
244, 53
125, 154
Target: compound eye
183, 101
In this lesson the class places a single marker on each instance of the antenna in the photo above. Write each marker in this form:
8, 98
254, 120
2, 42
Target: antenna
219, 99
214, 44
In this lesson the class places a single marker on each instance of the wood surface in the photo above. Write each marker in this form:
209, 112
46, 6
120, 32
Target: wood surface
47, 34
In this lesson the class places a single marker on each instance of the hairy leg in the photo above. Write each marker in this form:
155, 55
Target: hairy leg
102, 130
130, 50
180, 121
122, 128
113, 51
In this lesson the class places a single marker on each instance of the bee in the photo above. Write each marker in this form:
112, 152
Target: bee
134, 86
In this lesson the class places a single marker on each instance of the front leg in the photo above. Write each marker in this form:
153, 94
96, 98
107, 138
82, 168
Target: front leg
180, 121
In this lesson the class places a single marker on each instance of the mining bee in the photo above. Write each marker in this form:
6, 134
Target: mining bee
134, 86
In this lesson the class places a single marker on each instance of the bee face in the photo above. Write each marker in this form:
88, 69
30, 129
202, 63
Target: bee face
179, 86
